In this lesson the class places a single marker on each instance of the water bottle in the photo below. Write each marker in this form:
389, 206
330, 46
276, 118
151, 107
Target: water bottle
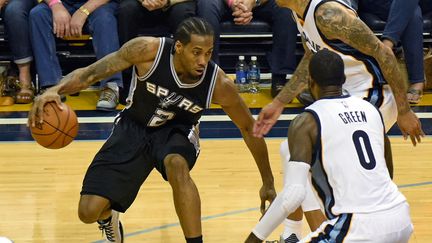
241, 75
254, 75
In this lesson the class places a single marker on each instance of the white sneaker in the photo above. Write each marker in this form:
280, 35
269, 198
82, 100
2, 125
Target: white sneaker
112, 229
5, 240
108, 99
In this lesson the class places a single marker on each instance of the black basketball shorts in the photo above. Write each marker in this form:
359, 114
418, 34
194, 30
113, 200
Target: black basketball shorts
129, 155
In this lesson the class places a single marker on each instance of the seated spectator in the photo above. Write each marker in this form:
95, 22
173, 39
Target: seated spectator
405, 25
18, 32
283, 59
67, 18
146, 17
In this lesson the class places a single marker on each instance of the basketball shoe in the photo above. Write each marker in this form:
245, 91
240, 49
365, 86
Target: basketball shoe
112, 228
291, 239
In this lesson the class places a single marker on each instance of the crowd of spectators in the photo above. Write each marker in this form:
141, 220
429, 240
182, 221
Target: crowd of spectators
34, 27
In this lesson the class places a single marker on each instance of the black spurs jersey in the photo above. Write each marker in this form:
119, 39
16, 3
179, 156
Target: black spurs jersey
160, 98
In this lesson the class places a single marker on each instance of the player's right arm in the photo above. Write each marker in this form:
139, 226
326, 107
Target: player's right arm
271, 112
137, 51
337, 22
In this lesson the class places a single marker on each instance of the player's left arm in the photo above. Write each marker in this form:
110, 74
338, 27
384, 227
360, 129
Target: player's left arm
302, 134
338, 22
226, 95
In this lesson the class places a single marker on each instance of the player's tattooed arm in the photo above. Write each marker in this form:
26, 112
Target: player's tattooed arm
337, 22
136, 51
298, 81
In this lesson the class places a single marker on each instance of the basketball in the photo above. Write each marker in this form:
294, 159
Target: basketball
59, 128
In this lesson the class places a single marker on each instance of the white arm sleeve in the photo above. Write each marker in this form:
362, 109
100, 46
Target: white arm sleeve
287, 201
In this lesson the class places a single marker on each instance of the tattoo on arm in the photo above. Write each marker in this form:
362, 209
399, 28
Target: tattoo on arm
336, 22
133, 52
298, 81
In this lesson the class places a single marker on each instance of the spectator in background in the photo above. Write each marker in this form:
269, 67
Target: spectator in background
145, 17
66, 18
405, 25
17, 28
283, 60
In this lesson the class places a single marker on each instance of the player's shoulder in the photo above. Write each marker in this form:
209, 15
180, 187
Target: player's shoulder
141, 49
303, 120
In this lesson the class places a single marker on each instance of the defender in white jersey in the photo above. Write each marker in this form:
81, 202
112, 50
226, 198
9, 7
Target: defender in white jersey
370, 67
340, 141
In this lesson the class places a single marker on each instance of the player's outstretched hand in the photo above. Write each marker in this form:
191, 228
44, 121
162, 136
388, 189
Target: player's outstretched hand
267, 118
410, 125
36, 111
267, 194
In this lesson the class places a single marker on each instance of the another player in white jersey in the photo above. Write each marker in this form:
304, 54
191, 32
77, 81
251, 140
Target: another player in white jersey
371, 73
339, 139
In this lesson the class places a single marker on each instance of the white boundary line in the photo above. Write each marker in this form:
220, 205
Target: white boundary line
206, 118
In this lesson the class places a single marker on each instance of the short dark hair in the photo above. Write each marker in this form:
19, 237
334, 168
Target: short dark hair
193, 25
326, 68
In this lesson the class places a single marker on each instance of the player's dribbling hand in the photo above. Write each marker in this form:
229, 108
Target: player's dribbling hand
267, 194
36, 111
410, 125
267, 118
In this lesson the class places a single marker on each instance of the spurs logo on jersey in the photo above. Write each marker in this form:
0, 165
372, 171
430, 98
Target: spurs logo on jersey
167, 98
159, 97
363, 74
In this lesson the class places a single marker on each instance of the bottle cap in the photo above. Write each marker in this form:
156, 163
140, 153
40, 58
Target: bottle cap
253, 58
241, 58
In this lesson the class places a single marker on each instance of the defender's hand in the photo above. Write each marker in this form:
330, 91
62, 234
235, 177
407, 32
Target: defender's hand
267, 118
410, 125
267, 193
36, 112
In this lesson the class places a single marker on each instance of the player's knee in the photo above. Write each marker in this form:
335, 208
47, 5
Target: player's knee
284, 151
90, 209
177, 169
88, 214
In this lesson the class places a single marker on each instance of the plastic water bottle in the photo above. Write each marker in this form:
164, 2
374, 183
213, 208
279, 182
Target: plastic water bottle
254, 75
241, 75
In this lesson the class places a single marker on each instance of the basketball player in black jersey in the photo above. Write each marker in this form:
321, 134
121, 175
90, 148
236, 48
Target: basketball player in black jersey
173, 82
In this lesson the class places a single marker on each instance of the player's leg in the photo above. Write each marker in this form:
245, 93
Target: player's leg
118, 165
176, 150
186, 197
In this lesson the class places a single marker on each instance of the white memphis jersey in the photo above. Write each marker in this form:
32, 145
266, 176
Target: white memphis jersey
349, 171
363, 75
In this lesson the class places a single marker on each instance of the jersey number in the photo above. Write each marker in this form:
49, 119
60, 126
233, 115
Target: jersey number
362, 144
160, 117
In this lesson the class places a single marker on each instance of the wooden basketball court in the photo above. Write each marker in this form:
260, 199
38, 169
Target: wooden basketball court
39, 192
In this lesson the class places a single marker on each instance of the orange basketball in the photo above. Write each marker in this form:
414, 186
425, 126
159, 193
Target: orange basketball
59, 128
